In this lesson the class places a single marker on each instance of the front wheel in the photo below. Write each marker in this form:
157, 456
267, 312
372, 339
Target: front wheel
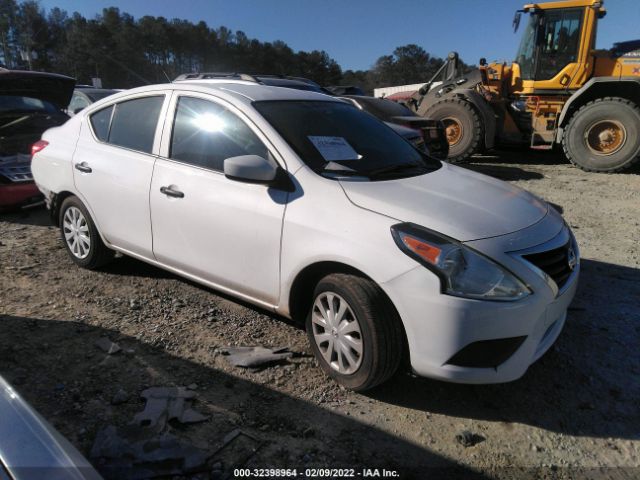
81, 237
354, 331
604, 135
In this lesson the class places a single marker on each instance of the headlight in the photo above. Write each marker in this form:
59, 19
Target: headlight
462, 271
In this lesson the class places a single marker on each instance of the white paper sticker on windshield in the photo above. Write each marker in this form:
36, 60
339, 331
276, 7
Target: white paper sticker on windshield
334, 148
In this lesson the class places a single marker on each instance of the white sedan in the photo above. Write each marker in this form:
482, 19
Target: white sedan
301, 204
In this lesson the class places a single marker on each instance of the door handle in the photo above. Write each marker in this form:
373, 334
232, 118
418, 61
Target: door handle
170, 192
83, 167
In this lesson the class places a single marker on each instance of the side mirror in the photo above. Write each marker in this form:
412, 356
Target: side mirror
516, 20
250, 168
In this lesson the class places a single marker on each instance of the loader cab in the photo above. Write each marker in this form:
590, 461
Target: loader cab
556, 44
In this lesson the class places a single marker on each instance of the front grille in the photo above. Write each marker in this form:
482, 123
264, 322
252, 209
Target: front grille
555, 263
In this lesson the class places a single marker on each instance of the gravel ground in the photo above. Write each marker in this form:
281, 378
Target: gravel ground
574, 414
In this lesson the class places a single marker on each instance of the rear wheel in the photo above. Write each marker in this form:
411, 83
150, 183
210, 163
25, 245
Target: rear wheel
354, 331
462, 126
81, 237
604, 135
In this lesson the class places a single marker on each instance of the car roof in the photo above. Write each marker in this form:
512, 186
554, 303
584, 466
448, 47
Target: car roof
244, 91
288, 82
236, 91
93, 90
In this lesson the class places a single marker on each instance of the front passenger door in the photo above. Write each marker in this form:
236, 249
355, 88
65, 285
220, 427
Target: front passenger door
219, 230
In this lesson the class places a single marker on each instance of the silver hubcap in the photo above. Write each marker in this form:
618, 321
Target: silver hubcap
336, 332
76, 232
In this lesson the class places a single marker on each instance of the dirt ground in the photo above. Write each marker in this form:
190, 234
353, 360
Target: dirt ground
575, 414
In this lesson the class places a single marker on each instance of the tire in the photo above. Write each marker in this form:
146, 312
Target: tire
459, 115
603, 135
80, 235
379, 330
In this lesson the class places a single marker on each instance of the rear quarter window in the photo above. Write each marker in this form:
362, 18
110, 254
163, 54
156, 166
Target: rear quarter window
100, 123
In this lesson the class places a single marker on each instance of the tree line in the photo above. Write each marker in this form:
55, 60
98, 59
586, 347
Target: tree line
126, 52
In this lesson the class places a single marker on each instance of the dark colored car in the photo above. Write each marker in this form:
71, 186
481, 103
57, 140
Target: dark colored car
83, 96
424, 133
30, 103
342, 90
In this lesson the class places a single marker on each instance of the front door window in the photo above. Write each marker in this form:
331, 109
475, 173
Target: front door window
560, 41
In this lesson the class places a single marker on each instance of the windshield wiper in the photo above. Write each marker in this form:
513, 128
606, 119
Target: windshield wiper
398, 169
332, 166
336, 169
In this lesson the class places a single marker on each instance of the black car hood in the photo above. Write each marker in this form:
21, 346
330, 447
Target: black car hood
412, 119
50, 87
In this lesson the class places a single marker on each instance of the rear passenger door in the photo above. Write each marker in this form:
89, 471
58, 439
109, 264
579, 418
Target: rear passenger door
219, 230
113, 164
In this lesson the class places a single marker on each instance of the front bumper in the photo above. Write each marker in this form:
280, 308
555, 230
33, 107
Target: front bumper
440, 326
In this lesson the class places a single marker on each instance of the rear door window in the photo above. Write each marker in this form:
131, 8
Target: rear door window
130, 124
134, 123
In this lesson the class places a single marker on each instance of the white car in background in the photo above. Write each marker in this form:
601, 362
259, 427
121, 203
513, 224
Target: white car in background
302, 204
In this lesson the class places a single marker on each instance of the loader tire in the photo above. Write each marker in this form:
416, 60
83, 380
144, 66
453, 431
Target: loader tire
463, 127
604, 135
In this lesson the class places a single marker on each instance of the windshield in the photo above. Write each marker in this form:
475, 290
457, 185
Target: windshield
337, 139
16, 103
526, 52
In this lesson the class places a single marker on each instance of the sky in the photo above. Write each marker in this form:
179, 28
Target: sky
356, 32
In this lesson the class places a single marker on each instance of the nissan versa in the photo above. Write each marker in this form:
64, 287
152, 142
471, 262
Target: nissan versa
300, 203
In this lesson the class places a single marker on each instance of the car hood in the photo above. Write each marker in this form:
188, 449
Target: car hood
454, 201
50, 87
404, 131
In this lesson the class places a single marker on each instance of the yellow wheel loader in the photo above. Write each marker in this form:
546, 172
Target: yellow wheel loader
559, 90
